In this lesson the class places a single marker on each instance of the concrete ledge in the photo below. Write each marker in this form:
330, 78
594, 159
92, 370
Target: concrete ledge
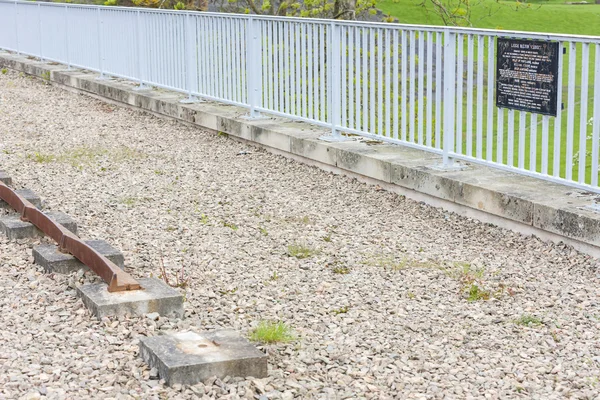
53, 261
156, 297
528, 205
188, 358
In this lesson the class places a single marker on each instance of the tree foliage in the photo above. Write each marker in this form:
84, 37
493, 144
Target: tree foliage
334, 9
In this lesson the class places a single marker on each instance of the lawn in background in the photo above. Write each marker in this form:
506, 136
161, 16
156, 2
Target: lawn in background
553, 16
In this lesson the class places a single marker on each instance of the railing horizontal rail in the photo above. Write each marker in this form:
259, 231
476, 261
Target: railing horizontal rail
428, 87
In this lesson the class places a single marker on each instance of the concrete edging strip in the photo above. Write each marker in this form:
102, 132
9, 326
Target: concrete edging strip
531, 206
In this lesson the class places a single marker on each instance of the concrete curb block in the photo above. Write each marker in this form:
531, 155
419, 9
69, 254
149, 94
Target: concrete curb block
528, 205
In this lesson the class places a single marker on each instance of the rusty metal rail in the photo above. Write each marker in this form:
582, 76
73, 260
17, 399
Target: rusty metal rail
117, 279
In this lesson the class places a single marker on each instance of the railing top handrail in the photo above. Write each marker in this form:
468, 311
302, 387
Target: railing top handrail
384, 25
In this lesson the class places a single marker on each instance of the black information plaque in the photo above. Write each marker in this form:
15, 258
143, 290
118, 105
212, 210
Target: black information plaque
526, 75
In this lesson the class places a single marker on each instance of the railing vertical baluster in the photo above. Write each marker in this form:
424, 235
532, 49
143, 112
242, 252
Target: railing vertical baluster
533, 143
545, 151
571, 110
388, 59
585, 59
333, 63
411, 94
421, 72
510, 143
596, 120
490, 101
403, 110
500, 137
67, 38
190, 60
459, 95
351, 76
40, 36
138, 43
558, 119
438, 90
99, 36
480, 90
449, 94
17, 28
396, 78
470, 95
521, 155
253, 61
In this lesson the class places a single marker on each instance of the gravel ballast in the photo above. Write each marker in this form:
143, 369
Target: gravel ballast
387, 297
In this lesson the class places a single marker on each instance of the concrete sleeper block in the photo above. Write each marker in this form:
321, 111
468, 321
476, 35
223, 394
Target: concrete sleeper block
14, 228
53, 261
28, 195
156, 296
5, 178
188, 357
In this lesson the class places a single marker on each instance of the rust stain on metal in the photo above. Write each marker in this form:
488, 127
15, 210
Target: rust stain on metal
117, 279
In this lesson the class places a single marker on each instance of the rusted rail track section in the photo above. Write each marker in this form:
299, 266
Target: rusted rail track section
117, 279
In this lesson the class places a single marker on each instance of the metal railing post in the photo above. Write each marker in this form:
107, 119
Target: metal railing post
17, 27
67, 37
41, 37
190, 59
449, 95
253, 67
334, 98
138, 54
99, 35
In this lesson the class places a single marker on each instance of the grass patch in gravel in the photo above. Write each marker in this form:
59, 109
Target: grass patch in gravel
79, 157
272, 332
300, 251
528, 320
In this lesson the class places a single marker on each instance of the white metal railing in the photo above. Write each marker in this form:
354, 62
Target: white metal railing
421, 86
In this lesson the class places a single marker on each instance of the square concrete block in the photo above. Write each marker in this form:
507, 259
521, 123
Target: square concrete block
14, 228
5, 178
52, 260
28, 195
156, 297
188, 358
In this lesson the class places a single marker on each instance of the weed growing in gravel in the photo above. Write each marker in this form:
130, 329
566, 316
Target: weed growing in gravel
230, 225
327, 238
274, 276
476, 293
272, 332
263, 231
528, 320
4, 71
41, 157
341, 310
129, 201
180, 280
228, 291
410, 295
204, 219
46, 76
79, 157
300, 251
340, 269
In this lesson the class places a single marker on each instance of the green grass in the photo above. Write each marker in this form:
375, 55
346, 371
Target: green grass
528, 320
272, 332
300, 251
552, 16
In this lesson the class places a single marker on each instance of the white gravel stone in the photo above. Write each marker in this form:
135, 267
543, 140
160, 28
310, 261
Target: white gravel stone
397, 324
